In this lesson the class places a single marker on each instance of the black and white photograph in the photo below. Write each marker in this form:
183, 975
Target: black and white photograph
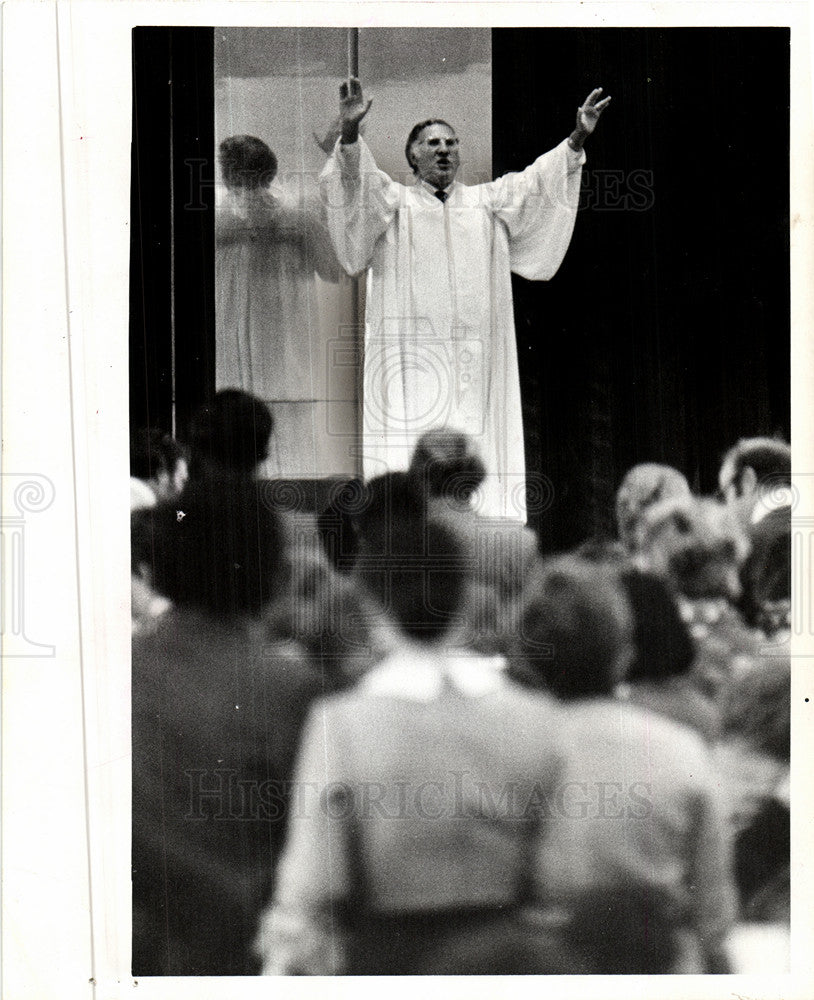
460, 621
460, 399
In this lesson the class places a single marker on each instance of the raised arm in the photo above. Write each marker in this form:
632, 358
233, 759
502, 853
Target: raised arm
352, 109
360, 200
587, 117
539, 205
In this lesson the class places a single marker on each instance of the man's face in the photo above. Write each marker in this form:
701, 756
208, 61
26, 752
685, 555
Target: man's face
435, 155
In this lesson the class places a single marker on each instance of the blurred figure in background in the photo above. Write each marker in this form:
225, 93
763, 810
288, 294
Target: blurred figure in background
658, 677
698, 547
755, 478
229, 436
269, 247
407, 857
158, 468
754, 758
633, 862
158, 473
644, 485
218, 702
755, 482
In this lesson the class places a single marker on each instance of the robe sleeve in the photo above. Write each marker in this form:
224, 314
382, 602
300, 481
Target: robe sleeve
360, 203
303, 931
539, 207
320, 246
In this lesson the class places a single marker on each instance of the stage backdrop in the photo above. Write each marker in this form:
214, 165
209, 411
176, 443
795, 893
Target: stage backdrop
282, 85
665, 334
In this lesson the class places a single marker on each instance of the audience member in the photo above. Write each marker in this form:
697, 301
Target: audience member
217, 707
698, 547
643, 486
636, 820
405, 780
230, 436
158, 468
658, 677
754, 758
766, 576
755, 478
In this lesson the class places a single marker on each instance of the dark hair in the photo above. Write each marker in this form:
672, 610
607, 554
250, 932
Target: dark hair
766, 574
769, 458
247, 162
231, 434
421, 575
574, 624
446, 464
663, 645
218, 547
415, 133
388, 501
153, 451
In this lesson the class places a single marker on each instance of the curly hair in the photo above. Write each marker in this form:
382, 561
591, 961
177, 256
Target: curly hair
575, 625
445, 463
644, 485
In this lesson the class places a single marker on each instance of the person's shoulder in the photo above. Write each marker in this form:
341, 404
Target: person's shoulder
524, 706
634, 723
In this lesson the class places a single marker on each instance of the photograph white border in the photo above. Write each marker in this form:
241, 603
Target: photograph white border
66, 719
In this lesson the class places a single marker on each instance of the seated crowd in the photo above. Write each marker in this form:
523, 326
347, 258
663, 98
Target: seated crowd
395, 739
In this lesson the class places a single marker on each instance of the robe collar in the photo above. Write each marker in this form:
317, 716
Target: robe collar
430, 189
415, 674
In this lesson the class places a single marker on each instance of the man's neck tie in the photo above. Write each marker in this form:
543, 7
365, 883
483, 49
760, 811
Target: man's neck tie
441, 196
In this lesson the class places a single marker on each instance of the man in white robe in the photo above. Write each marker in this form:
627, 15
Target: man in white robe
440, 346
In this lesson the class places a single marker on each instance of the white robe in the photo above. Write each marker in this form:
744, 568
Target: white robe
440, 346
269, 247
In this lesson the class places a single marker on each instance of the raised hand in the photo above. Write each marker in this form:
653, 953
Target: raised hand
328, 141
352, 109
588, 114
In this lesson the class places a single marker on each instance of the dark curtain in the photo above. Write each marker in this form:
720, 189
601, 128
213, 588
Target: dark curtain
172, 202
665, 335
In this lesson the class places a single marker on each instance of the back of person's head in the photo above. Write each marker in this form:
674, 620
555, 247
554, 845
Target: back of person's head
390, 504
231, 434
662, 643
644, 485
756, 463
697, 545
219, 548
422, 581
575, 629
446, 464
246, 162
